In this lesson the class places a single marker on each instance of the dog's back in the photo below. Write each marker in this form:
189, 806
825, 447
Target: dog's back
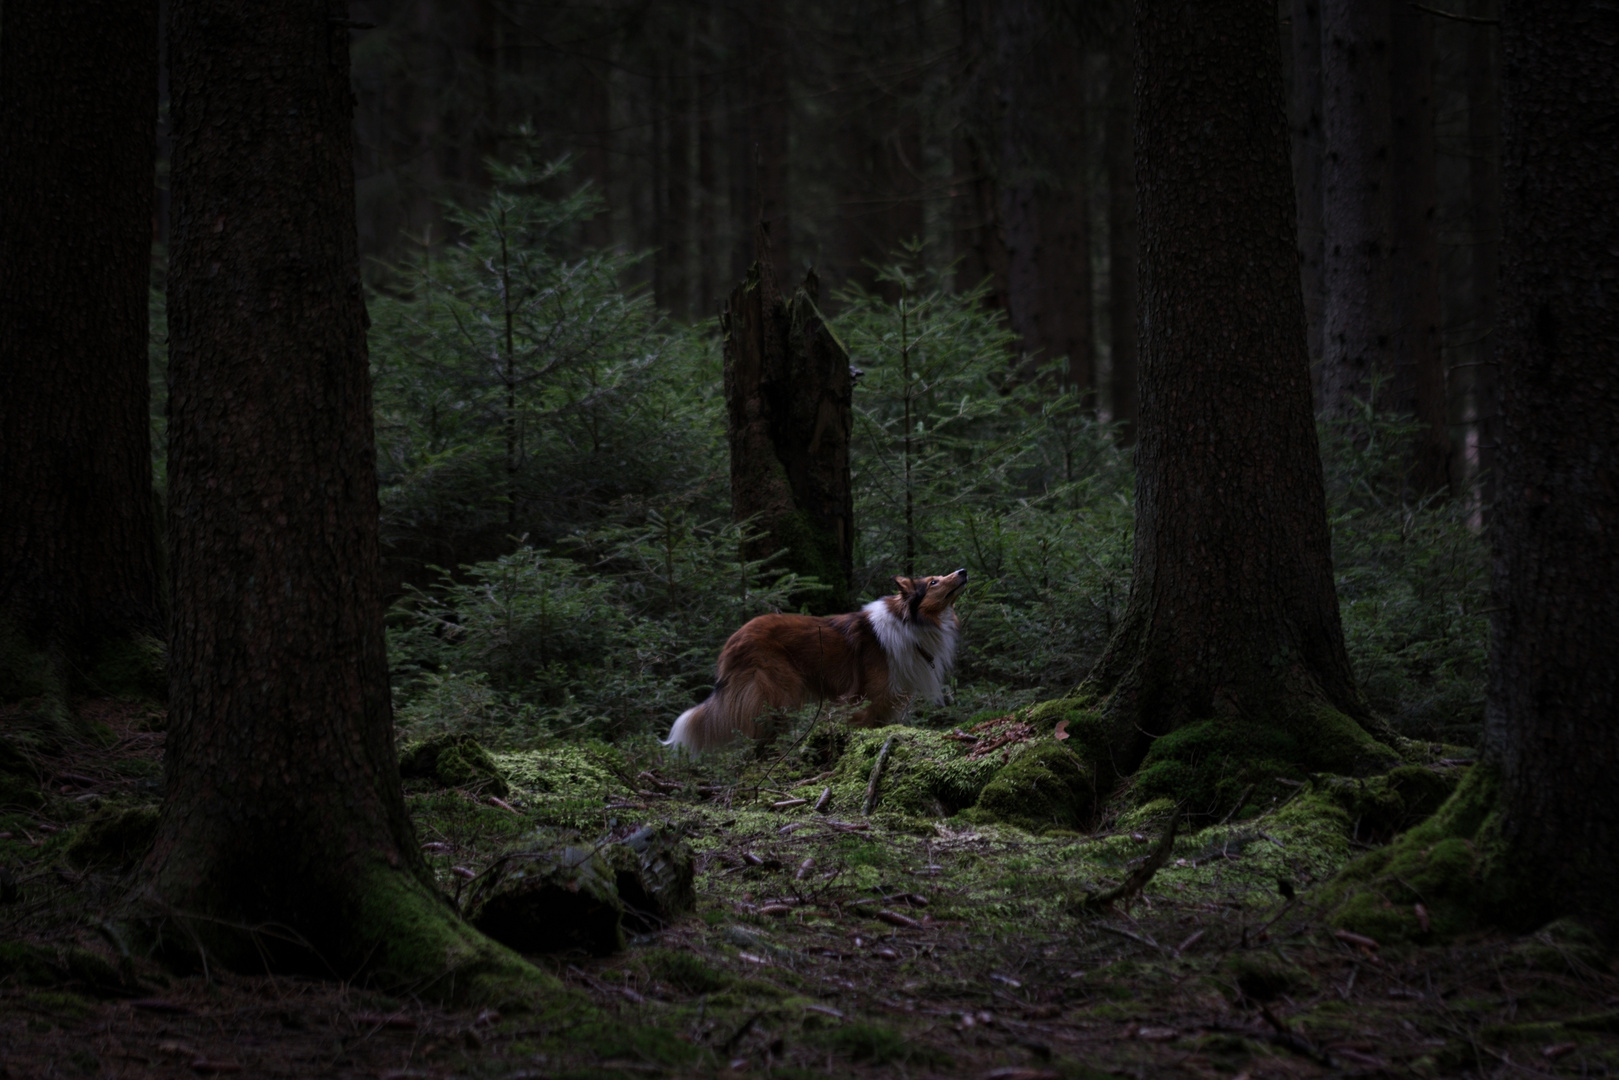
892, 648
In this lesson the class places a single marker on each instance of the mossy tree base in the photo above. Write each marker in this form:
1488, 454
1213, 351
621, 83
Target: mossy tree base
1452, 874
383, 928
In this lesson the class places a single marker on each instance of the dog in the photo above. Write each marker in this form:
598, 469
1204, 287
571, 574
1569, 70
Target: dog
888, 652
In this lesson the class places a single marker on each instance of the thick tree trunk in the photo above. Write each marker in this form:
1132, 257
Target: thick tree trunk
79, 550
1418, 385
1552, 719
1358, 335
1042, 187
1121, 235
283, 802
1305, 117
1232, 614
789, 397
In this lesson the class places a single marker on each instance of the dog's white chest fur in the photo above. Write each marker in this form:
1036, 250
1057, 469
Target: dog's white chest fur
920, 655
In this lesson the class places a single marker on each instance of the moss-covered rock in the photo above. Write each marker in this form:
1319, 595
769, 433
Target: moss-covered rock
1044, 786
114, 837
453, 761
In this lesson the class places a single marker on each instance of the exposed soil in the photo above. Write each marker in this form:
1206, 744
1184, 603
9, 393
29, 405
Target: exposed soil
822, 944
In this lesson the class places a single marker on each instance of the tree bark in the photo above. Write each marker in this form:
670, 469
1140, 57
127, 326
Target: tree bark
1305, 115
283, 803
79, 550
1417, 388
1121, 236
789, 406
1232, 615
1551, 723
1358, 335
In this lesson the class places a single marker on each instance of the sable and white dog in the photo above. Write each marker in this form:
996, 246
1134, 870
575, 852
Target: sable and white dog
886, 653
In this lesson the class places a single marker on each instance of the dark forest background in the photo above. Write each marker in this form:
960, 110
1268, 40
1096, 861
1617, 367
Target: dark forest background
555, 200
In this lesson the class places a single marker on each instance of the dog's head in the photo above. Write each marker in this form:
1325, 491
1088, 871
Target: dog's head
930, 597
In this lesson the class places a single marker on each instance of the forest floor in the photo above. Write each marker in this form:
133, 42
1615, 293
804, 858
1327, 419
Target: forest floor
821, 945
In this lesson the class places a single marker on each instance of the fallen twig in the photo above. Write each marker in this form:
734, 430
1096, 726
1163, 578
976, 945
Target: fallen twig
1141, 875
876, 776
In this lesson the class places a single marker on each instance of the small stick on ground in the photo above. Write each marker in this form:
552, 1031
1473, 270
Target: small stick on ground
876, 776
1141, 875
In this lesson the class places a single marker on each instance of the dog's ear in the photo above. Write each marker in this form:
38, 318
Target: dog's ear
906, 585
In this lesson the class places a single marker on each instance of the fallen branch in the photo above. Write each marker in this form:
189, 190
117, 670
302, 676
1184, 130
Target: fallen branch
1141, 875
876, 776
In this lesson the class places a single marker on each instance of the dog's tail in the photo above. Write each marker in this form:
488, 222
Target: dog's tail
729, 711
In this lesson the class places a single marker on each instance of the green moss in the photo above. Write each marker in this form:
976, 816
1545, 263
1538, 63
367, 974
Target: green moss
1454, 864
1044, 786
113, 837
453, 761
566, 785
1212, 764
1085, 727
412, 940
1381, 806
927, 774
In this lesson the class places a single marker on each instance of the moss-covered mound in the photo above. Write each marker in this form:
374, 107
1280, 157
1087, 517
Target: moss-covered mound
453, 761
1380, 806
1221, 764
927, 774
115, 837
567, 785
1043, 787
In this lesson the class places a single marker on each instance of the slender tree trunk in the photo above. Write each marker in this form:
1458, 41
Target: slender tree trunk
1042, 187
1484, 156
1418, 384
1232, 616
1305, 45
708, 185
1551, 723
789, 399
1358, 341
772, 111
1121, 234
79, 551
283, 802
